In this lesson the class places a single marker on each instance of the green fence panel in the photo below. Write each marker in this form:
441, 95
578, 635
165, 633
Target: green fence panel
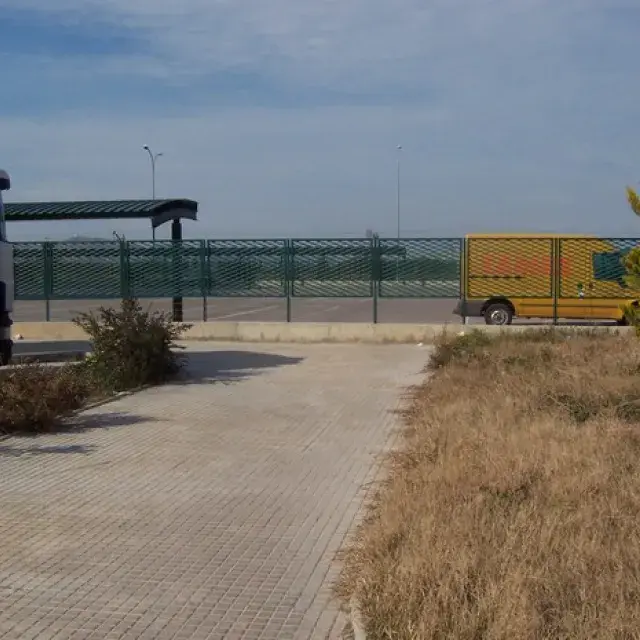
332, 268
165, 269
29, 270
246, 268
86, 270
420, 267
238, 268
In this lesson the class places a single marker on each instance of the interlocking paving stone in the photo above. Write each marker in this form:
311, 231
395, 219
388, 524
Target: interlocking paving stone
210, 508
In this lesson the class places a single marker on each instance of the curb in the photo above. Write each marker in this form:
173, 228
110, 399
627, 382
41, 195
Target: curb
48, 357
357, 625
299, 332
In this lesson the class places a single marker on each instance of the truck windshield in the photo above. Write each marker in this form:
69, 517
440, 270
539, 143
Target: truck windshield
609, 267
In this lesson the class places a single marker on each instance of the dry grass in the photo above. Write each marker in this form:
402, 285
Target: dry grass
35, 398
513, 511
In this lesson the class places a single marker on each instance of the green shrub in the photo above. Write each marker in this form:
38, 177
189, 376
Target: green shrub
631, 263
131, 347
464, 345
33, 397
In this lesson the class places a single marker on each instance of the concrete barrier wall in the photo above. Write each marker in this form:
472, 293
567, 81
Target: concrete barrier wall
285, 332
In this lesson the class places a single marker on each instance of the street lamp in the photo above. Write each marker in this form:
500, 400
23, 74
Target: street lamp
399, 152
153, 157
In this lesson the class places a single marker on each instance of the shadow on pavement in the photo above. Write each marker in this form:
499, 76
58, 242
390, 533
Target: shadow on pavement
35, 450
30, 347
84, 422
75, 424
88, 422
230, 366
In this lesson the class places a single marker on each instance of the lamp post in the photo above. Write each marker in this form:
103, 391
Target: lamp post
399, 150
153, 157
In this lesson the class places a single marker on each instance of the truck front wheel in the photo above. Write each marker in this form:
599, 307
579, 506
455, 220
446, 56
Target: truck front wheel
498, 313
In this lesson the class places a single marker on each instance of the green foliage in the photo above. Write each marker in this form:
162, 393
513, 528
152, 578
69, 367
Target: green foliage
463, 346
634, 200
131, 347
467, 346
631, 262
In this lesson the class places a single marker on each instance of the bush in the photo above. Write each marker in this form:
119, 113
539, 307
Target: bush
461, 346
33, 397
131, 347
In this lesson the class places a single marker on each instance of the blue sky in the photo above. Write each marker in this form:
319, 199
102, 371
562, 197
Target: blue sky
282, 118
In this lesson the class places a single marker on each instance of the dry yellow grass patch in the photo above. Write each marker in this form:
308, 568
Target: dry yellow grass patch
513, 511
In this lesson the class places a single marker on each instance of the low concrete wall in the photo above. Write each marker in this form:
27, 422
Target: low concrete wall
48, 331
261, 331
283, 331
313, 332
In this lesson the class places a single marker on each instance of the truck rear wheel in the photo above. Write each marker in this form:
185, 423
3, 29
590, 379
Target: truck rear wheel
6, 352
498, 313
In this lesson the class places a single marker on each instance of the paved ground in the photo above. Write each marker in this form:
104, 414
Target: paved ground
432, 310
209, 509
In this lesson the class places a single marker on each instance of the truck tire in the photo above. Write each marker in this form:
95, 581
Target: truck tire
498, 313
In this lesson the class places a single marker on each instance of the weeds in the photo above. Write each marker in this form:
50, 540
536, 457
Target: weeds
460, 347
131, 348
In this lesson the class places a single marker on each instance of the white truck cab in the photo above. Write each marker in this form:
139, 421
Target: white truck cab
6, 279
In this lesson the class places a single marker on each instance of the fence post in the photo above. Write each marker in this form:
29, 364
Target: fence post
47, 279
463, 266
124, 270
288, 274
556, 261
176, 237
376, 270
204, 277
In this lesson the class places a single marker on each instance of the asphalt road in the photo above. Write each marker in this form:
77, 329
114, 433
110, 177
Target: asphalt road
241, 310
421, 310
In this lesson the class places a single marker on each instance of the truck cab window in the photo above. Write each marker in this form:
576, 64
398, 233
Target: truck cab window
609, 267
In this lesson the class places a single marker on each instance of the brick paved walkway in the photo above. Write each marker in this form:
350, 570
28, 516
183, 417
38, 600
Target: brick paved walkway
210, 509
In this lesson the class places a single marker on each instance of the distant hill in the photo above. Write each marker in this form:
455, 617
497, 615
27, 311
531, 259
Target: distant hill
85, 239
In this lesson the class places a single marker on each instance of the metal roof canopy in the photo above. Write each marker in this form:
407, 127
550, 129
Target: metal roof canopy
158, 211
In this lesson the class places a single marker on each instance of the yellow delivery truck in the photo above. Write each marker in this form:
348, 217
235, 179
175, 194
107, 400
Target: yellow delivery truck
544, 276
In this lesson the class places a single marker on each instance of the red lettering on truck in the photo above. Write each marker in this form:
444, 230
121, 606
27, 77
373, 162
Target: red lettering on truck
507, 265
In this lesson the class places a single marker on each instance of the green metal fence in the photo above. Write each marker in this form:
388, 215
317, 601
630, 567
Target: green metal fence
238, 268
327, 268
331, 268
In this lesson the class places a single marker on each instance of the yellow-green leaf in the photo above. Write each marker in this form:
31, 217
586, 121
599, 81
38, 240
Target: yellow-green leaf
634, 200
